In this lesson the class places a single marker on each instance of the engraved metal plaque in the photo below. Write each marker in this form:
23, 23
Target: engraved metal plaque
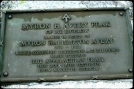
66, 45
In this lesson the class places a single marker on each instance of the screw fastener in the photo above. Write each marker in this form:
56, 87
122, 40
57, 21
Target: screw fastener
5, 74
130, 70
9, 16
121, 14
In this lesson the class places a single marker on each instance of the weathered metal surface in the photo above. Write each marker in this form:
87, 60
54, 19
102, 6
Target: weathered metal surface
66, 44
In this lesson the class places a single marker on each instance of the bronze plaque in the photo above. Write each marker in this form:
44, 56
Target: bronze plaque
66, 45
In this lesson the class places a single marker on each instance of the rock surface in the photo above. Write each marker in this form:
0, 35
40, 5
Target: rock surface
26, 5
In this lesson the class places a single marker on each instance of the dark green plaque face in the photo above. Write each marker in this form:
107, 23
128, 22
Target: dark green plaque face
66, 45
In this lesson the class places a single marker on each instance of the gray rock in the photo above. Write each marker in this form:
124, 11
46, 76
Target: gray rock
25, 5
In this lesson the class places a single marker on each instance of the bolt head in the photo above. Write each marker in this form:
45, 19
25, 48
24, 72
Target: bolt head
130, 70
5, 74
9, 16
121, 13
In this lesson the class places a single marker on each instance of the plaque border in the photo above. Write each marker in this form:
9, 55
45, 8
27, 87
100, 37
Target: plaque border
96, 77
